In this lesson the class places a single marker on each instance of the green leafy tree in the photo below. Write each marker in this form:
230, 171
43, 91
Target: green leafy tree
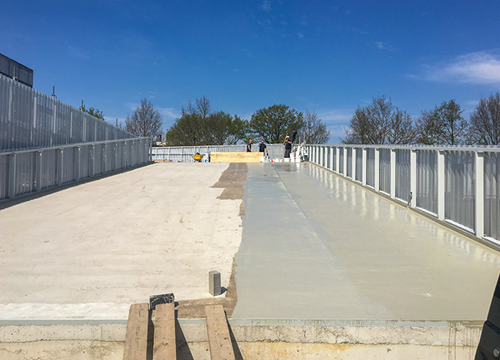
443, 126
199, 125
144, 121
485, 122
91, 111
380, 123
273, 123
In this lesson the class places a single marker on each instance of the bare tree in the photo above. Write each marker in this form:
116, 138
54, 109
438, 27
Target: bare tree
314, 129
443, 126
380, 123
144, 121
485, 122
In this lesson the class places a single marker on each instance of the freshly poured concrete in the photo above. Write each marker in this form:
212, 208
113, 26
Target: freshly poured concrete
90, 251
316, 246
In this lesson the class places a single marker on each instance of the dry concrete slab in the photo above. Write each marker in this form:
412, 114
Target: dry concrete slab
91, 250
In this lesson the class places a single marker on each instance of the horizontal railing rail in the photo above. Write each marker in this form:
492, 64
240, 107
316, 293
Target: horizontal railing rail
459, 185
27, 171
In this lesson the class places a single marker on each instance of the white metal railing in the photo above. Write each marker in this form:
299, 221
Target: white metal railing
30, 119
27, 171
459, 185
185, 153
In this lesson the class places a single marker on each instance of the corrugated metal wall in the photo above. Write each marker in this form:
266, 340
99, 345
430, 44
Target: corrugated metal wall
403, 174
427, 180
30, 119
370, 167
385, 170
491, 195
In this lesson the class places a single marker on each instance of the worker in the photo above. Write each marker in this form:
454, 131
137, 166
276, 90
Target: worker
288, 146
249, 146
263, 148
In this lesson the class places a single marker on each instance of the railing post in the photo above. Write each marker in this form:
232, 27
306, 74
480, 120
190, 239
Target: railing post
77, 163
344, 152
353, 173
38, 169
60, 164
12, 175
331, 158
393, 173
413, 177
376, 180
441, 184
479, 157
320, 149
337, 159
363, 167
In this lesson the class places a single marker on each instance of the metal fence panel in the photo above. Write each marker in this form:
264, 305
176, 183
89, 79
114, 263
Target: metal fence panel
341, 160
370, 167
30, 119
426, 195
25, 173
460, 188
403, 174
4, 175
359, 164
68, 165
49, 168
385, 170
491, 195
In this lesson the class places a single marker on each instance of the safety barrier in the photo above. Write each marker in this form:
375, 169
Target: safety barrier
28, 171
458, 185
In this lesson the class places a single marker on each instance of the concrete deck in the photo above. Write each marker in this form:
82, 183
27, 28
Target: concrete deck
313, 246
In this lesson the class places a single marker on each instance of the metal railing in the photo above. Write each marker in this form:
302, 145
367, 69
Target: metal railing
30, 119
458, 185
185, 153
28, 171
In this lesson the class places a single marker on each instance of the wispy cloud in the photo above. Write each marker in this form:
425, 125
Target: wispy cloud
384, 45
300, 35
168, 113
473, 68
335, 116
77, 52
265, 6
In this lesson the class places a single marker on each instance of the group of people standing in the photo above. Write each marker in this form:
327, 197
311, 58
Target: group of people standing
263, 148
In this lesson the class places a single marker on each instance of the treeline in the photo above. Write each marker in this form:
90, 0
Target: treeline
200, 125
383, 123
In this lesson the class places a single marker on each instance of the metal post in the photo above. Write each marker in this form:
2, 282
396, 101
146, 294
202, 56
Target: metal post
377, 170
479, 160
12, 175
441, 184
337, 159
363, 166
331, 158
38, 169
321, 156
353, 160
393, 173
413, 177
344, 151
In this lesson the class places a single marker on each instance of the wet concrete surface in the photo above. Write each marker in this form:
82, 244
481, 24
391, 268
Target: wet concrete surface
316, 246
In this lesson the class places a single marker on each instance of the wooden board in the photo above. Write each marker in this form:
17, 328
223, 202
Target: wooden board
164, 347
219, 339
136, 338
228, 157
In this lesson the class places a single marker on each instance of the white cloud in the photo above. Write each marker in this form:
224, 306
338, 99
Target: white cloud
334, 116
473, 68
266, 6
300, 35
380, 45
168, 113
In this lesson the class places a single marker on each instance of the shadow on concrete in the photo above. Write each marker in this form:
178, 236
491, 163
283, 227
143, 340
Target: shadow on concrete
236, 348
4, 204
182, 346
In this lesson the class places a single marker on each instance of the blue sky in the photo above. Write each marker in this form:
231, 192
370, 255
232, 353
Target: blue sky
322, 56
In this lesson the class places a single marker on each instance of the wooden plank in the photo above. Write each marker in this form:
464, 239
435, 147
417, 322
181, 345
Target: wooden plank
164, 347
219, 339
235, 156
136, 338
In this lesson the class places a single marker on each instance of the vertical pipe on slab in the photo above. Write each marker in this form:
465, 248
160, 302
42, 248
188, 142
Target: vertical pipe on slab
441, 184
479, 160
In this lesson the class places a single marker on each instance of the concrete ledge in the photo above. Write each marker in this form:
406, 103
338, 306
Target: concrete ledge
232, 157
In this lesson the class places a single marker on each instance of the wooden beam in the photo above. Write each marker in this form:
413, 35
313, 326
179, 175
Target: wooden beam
136, 338
219, 339
164, 347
